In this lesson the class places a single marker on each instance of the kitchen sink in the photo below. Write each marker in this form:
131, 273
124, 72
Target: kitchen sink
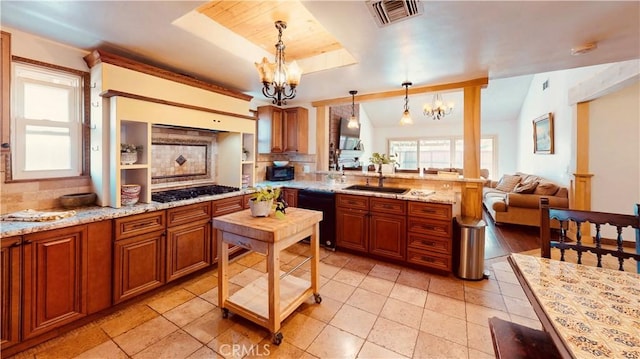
393, 190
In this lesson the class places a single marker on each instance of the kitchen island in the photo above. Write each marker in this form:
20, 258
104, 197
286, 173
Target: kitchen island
268, 236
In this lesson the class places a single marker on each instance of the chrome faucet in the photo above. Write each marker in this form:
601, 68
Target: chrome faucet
380, 179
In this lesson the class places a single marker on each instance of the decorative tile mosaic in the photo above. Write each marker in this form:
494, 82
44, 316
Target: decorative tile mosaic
596, 311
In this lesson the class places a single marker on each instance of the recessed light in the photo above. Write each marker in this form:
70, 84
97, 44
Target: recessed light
583, 49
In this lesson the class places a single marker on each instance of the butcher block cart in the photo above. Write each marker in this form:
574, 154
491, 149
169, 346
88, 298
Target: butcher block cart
270, 299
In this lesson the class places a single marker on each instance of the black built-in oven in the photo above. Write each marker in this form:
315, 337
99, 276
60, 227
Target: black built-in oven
284, 173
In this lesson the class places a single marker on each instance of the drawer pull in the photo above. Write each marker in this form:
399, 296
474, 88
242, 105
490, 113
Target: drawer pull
352, 202
143, 224
387, 206
428, 211
428, 243
427, 259
429, 228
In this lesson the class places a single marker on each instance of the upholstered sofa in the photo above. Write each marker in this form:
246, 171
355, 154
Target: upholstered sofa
516, 198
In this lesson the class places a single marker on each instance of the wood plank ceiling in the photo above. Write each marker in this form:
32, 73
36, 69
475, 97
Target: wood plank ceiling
304, 37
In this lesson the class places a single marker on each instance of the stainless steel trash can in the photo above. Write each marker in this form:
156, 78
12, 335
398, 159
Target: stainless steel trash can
471, 261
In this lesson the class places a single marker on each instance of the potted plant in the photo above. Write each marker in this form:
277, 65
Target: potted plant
265, 199
129, 153
385, 164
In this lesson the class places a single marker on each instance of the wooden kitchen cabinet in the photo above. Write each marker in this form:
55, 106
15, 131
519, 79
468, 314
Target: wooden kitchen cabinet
430, 235
388, 228
188, 239
10, 267
225, 206
283, 130
54, 279
139, 254
352, 222
290, 196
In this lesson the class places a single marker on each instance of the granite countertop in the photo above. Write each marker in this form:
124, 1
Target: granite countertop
93, 214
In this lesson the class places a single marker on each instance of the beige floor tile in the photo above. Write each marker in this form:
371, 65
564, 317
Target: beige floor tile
212, 295
162, 304
502, 266
337, 259
266, 349
336, 290
393, 336
349, 277
529, 322
208, 326
177, 345
414, 278
106, 350
520, 307
307, 355
484, 298
373, 351
202, 284
353, 320
144, 335
476, 354
245, 277
479, 338
324, 311
335, 343
409, 295
82, 339
243, 335
127, 319
489, 285
430, 346
328, 270
478, 314
250, 259
385, 271
360, 265
445, 305
189, 311
377, 285
261, 266
290, 258
504, 276
447, 286
444, 326
204, 353
402, 312
366, 300
300, 330
512, 290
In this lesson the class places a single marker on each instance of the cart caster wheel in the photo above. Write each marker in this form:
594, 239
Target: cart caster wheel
277, 338
318, 298
225, 313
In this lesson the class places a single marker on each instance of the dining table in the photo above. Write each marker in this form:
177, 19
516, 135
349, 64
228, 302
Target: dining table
589, 312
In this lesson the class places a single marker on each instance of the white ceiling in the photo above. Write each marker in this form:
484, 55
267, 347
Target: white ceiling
452, 41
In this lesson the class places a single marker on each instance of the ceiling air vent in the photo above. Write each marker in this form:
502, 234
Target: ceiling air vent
389, 11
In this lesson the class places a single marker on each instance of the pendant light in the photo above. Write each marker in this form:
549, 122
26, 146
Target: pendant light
353, 120
406, 116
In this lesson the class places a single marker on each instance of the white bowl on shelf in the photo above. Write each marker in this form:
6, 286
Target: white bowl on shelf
280, 163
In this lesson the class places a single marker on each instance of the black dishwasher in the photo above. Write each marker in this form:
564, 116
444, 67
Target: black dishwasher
324, 201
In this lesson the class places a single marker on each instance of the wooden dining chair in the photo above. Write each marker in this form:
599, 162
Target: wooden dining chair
598, 220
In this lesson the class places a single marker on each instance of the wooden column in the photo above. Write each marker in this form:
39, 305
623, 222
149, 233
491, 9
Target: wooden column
581, 197
322, 138
472, 192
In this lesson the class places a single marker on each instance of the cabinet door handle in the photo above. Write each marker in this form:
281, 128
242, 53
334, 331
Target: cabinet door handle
26, 241
16, 244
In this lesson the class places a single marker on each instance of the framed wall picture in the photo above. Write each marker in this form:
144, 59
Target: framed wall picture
543, 134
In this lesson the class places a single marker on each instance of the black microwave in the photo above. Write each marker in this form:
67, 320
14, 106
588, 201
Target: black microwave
284, 173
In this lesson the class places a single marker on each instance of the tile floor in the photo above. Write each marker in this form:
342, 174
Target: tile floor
369, 309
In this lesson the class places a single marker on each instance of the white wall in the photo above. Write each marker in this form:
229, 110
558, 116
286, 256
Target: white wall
559, 165
614, 150
37, 48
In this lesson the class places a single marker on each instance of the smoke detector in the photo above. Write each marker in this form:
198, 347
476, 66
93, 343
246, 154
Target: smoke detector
583, 49
387, 12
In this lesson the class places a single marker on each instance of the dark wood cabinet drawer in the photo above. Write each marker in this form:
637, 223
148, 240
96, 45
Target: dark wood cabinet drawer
386, 205
188, 214
227, 205
139, 223
429, 227
429, 259
352, 201
430, 210
430, 243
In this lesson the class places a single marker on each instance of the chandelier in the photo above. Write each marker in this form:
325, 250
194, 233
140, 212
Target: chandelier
437, 109
277, 76
353, 120
406, 116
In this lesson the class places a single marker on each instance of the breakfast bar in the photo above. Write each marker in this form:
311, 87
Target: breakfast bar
268, 300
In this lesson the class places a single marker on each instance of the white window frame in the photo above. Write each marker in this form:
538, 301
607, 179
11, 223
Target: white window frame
50, 76
452, 140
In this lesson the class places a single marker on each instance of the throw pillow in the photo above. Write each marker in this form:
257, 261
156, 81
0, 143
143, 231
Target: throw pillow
526, 188
546, 189
507, 183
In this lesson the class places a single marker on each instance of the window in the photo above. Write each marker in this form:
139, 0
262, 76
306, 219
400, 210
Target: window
47, 116
411, 154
